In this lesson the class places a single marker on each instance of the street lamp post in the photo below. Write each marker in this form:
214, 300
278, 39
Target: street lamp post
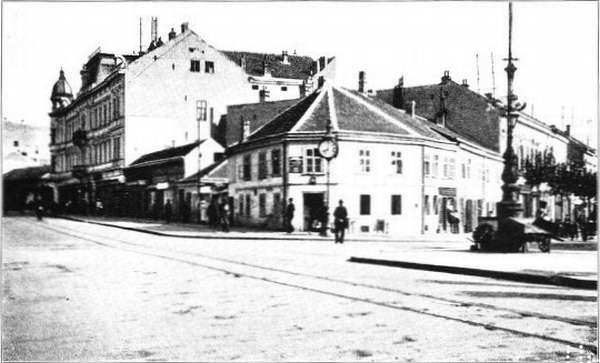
509, 205
328, 148
199, 177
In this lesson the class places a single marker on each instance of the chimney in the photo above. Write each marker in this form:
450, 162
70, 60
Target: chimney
184, 27
154, 29
361, 81
398, 96
172, 34
321, 63
285, 58
243, 62
245, 129
464, 83
321, 81
568, 130
446, 78
413, 105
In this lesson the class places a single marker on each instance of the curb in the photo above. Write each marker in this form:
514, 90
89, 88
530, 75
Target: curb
315, 237
556, 280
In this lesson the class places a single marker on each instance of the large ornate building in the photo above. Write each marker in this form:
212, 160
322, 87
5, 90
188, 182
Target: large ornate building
175, 93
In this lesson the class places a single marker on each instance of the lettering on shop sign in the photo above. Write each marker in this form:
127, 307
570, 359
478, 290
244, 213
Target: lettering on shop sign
447, 192
295, 164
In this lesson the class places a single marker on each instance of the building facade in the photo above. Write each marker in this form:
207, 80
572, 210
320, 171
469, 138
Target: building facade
395, 173
177, 92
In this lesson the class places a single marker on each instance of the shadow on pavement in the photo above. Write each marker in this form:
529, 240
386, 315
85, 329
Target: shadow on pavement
525, 295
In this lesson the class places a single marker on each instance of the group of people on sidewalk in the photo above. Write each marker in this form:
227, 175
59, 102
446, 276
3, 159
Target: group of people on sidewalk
340, 223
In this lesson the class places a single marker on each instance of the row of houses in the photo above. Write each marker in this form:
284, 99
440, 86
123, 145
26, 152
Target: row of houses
185, 123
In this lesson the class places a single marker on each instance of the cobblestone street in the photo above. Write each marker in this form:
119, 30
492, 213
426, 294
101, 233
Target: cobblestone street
75, 291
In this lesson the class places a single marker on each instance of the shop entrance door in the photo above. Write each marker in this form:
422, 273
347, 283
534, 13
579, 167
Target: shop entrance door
313, 205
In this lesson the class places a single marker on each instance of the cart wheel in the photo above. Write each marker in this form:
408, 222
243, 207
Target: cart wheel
544, 244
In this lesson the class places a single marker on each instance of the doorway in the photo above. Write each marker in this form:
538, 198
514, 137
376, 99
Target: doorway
313, 206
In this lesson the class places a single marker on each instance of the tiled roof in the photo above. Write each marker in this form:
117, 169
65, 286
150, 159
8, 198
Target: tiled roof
349, 112
298, 67
286, 120
167, 153
257, 113
26, 174
215, 170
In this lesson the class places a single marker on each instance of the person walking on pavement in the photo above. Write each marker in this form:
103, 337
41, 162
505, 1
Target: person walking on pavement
212, 213
168, 211
289, 215
340, 216
224, 215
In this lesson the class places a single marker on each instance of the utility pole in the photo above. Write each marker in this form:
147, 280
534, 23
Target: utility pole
477, 65
493, 76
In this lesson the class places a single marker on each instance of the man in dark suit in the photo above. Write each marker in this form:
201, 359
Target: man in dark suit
340, 216
289, 215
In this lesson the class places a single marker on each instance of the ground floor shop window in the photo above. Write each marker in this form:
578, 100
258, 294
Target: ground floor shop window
262, 205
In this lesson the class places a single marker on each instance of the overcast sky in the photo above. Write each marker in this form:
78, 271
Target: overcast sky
556, 43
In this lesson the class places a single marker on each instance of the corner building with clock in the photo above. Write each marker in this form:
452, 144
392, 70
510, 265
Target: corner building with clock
394, 170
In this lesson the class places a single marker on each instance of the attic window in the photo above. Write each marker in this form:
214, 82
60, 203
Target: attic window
16, 142
192, 49
194, 66
254, 86
209, 67
283, 88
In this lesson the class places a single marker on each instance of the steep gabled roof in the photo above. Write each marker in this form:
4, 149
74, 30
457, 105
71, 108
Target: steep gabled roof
348, 111
297, 67
178, 151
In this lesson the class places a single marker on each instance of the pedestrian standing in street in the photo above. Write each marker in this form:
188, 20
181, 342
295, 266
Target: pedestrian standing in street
212, 212
289, 215
224, 215
168, 211
340, 216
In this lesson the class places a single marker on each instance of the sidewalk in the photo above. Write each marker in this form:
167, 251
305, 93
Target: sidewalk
570, 268
571, 263
187, 230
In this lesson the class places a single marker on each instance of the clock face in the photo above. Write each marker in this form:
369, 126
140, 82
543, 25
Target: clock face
328, 149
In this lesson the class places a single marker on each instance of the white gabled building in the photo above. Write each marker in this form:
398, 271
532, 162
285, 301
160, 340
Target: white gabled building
394, 172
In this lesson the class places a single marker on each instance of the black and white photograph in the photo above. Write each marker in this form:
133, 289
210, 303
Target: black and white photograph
299, 181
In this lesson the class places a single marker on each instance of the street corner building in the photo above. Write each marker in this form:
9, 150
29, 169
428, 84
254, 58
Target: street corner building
395, 171
174, 93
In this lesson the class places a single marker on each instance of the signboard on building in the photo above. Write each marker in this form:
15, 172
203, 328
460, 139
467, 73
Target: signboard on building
447, 192
295, 164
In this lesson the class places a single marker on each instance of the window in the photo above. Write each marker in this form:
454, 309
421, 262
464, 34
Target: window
452, 169
16, 143
365, 160
248, 196
435, 166
284, 88
446, 168
262, 205
426, 166
276, 205
116, 148
212, 115
209, 67
201, 110
241, 203
194, 66
468, 168
254, 86
276, 162
110, 114
116, 107
396, 204
426, 205
247, 167
435, 204
313, 161
397, 161
262, 165
105, 113
365, 204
